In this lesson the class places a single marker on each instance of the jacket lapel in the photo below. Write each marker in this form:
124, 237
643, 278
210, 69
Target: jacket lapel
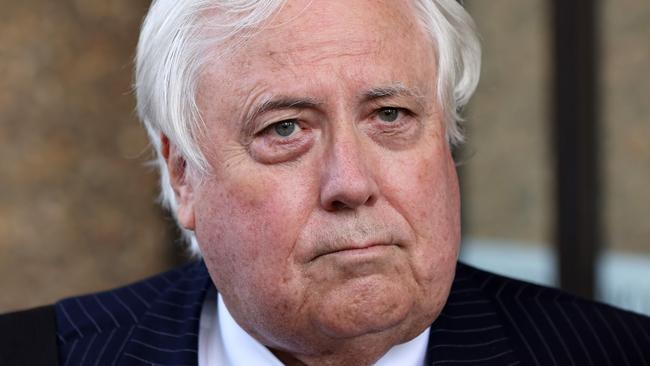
167, 333
468, 330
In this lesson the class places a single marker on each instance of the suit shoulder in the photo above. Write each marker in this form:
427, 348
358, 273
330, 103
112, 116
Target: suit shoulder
555, 327
117, 309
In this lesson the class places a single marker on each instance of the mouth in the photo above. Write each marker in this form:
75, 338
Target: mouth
356, 250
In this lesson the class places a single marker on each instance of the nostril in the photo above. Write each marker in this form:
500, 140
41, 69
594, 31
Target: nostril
371, 200
339, 205
350, 203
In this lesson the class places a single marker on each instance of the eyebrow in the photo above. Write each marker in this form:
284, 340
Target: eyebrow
395, 90
276, 103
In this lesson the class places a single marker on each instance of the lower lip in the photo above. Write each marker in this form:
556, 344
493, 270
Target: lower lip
366, 251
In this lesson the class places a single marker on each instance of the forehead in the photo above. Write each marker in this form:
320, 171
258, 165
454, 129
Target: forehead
318, 42
337, 27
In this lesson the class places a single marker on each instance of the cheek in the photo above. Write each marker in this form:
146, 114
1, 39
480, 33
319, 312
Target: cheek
444, 210
247, 227
425, 192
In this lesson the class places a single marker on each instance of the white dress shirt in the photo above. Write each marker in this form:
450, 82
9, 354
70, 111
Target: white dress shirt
222, 342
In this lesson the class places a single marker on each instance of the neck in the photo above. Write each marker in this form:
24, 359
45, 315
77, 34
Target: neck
355, 352
359, 358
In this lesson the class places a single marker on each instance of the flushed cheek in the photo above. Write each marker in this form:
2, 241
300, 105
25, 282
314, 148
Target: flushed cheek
425, 192
249, 226
442, 208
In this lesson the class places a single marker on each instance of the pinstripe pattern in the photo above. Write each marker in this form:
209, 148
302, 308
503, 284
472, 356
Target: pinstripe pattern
550, 327
468, 330
154, 322
488, 320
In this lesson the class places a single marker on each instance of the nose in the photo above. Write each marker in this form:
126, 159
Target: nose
347, 180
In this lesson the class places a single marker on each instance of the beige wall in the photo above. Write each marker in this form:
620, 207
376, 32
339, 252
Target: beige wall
77, 210
506, 172
508, 177
626, 117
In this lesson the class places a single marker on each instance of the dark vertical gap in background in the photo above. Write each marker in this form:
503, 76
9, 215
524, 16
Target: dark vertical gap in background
575, 137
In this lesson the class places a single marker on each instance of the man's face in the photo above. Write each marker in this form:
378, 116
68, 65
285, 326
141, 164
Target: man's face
332, 211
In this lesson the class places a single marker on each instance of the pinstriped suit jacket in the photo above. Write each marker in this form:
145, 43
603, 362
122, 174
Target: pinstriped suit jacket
488, 320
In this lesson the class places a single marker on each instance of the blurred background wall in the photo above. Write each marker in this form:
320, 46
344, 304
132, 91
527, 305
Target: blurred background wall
507, 172
77, 203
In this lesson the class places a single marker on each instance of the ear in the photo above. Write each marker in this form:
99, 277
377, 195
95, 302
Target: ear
181, 182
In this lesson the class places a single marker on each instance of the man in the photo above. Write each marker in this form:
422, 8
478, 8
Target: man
305, 150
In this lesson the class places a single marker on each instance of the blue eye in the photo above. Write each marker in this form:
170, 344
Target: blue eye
388, 114
285, 128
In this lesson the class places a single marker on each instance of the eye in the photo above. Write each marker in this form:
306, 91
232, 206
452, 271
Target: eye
281, 141
388, 114
284, 128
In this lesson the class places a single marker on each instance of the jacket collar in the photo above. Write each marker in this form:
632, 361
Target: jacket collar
168, 332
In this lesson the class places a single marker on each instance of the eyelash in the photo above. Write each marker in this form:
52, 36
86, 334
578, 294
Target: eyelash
269, 130
398, 109
401, 119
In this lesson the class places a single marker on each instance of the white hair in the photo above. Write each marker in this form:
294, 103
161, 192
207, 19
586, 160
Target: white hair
173, 48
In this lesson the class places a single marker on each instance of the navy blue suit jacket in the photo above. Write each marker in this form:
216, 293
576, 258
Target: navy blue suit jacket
488, 320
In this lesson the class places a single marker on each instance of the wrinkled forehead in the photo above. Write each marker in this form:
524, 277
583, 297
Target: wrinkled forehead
297, 25
302, 25
303, 32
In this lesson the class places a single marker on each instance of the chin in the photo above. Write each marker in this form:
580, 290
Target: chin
364, 306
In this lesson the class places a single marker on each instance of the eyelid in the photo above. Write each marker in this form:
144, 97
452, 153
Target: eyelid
269, 147
404, 102
266, 126
406, 120
401, 105
401, 109
404, 111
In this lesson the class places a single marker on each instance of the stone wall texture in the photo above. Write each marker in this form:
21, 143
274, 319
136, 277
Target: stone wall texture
507, 175
77, 204
625, 84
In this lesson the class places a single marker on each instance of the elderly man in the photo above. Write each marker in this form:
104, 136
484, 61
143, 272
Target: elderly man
304, 148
